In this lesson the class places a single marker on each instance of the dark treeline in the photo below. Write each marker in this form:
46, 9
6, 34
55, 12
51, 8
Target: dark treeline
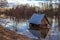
25, 12
22, 12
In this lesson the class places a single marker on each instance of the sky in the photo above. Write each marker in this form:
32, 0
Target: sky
27, 0
14, 2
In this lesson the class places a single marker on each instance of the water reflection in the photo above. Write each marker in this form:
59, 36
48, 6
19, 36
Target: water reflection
53, 33
21, 27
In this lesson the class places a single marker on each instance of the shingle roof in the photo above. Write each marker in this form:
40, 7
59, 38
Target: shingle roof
36, 18
6, 34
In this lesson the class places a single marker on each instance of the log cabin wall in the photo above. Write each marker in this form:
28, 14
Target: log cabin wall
43, 27
33, 26
44, 22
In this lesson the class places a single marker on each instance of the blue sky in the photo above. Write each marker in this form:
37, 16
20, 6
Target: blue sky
27, 1
37, 0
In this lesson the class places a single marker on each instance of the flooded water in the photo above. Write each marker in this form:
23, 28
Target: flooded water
21, 27
54, 33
